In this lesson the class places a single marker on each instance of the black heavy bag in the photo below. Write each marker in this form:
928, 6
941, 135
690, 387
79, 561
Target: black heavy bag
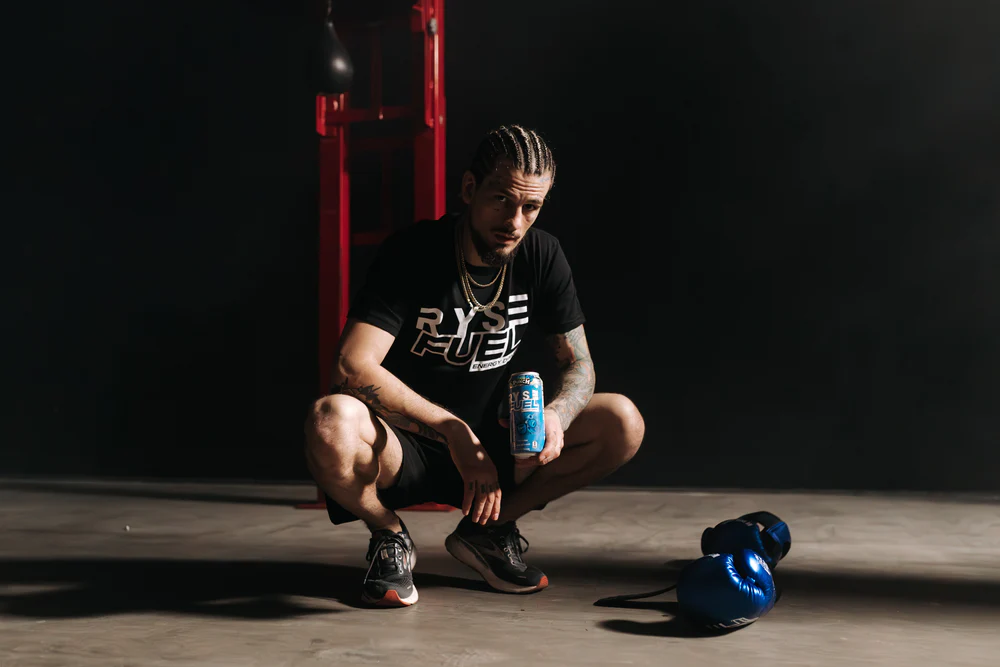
334, 69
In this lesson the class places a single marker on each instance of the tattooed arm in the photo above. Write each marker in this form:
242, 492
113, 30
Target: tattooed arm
576, 375
359, 373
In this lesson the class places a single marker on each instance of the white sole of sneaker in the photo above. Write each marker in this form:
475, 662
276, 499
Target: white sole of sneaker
392, 599
466, 555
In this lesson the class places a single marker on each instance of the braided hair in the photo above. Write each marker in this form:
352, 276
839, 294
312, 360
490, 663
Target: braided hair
524, 148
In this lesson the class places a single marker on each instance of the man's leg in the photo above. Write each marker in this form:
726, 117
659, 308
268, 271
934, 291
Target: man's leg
351, 454
605, 435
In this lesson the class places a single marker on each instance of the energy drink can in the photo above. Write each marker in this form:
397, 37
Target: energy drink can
527, 416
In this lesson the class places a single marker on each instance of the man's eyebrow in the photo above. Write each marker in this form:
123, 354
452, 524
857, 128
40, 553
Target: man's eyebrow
506, 190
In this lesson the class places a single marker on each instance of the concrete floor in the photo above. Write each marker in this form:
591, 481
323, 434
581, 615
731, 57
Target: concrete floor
216, 575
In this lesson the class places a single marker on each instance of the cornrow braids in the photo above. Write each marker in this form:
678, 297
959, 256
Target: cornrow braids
523, 147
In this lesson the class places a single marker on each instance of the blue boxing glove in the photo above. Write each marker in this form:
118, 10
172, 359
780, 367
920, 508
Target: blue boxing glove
723, 591
772, 542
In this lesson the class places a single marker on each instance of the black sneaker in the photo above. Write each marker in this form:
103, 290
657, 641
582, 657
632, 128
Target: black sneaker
389, 580
495, 553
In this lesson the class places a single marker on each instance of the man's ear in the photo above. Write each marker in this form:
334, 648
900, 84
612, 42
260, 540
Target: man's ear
468, 187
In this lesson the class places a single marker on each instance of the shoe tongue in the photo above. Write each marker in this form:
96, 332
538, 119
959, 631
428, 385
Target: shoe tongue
387, 556
388, 553
509, 532
389, 549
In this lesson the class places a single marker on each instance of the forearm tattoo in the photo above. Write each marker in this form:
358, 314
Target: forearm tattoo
576, 379
369, 396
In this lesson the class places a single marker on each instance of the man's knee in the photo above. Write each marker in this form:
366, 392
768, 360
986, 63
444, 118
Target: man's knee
332, 431
625, 428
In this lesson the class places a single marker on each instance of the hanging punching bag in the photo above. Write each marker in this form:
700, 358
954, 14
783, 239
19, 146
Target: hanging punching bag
335, 69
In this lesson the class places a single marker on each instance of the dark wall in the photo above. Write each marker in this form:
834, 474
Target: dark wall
782, 218
784, 223
161, 240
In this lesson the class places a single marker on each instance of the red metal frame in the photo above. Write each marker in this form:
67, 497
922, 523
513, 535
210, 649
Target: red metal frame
334, 243
334, 116
429, 144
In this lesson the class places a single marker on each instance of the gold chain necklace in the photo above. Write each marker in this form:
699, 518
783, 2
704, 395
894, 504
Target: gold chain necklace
464, 279
473, 280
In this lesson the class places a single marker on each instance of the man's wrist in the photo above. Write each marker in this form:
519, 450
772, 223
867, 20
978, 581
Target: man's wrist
455, 430
561, 411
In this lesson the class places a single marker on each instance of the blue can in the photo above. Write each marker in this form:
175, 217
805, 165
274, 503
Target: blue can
527, 414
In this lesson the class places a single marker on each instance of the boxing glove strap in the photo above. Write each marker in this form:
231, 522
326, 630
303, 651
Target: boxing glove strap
608, 602
775, 535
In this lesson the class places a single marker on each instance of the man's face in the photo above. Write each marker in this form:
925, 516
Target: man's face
501, 210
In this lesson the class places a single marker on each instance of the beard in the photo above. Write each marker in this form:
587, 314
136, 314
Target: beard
489, 251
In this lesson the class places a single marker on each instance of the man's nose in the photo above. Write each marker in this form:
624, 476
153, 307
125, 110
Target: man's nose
516, 222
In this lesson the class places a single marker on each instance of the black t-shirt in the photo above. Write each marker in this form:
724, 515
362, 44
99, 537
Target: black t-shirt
443, 350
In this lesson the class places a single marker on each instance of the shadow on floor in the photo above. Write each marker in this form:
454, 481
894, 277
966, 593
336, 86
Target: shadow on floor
136, 490
797, 586
804, 585
83, 588
673, 626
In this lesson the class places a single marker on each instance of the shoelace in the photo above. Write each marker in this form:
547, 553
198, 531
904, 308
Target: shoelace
512, 545
390, 551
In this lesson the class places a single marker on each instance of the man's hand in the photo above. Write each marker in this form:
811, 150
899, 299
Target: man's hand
479, 476
554, 436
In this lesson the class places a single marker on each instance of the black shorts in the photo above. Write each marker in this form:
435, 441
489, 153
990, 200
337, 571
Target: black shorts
428, 475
